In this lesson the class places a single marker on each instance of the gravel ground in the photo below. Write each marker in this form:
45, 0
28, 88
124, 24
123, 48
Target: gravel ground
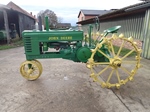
65, 86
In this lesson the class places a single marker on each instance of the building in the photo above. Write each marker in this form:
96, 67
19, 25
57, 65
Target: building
14, 17
88, 14
134, 19
63, 25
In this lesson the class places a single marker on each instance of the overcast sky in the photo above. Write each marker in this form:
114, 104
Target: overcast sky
68, 10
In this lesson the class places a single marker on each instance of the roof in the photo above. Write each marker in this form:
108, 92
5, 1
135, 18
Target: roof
63, 24
93, 12
3, 6
136, 8
15, 7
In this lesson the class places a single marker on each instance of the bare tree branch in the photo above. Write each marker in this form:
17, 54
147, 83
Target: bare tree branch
53, 20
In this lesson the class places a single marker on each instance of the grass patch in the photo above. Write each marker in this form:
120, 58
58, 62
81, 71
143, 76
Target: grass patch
124, 51
14, 43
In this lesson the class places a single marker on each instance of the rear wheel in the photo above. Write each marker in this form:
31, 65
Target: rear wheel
122, 65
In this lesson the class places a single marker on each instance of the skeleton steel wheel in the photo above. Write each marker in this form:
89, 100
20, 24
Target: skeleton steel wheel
122, 64
30, 70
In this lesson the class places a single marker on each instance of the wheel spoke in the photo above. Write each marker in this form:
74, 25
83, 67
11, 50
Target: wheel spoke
124, 69
34, 72
35, 68
129, 62
120, 48
28, 75
110, 75
118, 76
103, 54
112, 47
103, 70
127, 54
102, 63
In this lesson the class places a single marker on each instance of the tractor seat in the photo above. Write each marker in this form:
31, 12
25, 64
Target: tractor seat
113, 29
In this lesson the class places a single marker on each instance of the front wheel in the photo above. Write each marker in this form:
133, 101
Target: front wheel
31, 70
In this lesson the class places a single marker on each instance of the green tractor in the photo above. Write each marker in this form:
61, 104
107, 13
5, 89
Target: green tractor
72, 45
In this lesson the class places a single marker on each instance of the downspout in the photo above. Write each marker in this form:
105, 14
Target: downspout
6, 26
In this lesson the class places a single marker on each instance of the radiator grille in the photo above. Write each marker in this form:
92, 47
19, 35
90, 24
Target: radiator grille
27, 44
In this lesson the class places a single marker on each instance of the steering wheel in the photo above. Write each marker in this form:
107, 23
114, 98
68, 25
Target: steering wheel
97, 23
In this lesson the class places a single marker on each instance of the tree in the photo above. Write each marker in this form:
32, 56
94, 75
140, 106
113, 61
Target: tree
53, 20
59, 19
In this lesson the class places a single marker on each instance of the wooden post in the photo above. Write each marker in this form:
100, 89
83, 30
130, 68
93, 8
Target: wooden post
6, 26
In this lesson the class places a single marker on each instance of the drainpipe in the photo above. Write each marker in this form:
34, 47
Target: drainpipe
6, 26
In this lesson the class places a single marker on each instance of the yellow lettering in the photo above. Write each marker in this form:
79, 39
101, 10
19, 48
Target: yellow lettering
53, 38
66, 38
60, 38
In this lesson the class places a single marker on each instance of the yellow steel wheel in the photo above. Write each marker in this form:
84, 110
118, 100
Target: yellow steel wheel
119, 69
30, 70
39, 64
